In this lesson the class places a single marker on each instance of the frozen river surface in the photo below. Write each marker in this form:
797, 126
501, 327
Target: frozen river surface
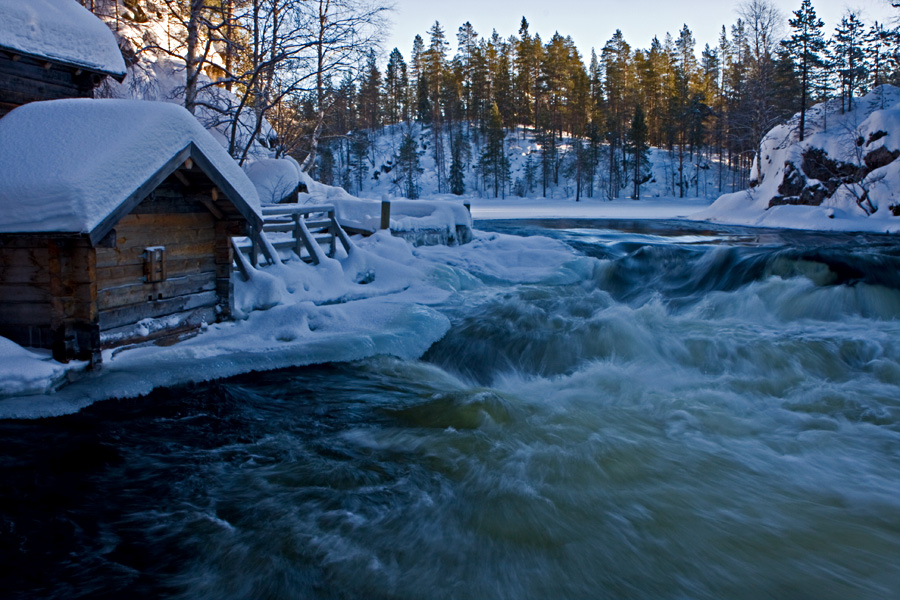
698, 414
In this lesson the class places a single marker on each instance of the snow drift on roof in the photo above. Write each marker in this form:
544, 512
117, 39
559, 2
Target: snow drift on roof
62, 30
67, 164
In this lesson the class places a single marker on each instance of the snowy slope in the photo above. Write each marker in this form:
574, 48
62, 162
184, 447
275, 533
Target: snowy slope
843, 176
381, 178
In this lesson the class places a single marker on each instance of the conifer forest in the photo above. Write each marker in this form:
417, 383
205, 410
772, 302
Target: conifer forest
315, 71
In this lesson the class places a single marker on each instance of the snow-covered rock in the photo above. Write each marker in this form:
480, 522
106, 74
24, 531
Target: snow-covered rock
274, 178
843, 176
62, 30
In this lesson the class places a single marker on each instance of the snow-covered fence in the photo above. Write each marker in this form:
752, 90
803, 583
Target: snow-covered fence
309, 228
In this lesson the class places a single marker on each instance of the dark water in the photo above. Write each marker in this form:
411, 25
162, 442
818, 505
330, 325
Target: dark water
699, 414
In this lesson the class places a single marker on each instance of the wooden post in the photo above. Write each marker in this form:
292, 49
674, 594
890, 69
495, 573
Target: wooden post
298, 236
385, 213
254, 248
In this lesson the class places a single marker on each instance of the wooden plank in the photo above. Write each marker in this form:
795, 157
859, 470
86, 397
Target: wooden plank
10, 254
18, 89
189, 321
191, 219
25, 273
31, 70
118, 317
283, 209
114, 297
26, 313
57, 312
13, 292
27, 335
134, 273
134, 255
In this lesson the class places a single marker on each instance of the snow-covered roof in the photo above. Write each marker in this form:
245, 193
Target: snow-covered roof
68, 165
60, 30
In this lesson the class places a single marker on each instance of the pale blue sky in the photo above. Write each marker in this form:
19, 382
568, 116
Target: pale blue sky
591, 23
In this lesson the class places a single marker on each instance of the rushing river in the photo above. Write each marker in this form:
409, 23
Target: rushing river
705, 414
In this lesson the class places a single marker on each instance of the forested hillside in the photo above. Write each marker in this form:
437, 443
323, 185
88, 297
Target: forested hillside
313, 69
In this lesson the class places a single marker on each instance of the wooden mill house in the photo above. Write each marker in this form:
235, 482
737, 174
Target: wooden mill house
116, 216
53, 49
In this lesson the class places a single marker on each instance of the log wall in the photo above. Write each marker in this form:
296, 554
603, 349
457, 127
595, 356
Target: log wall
59, 291
25, 79
48, 294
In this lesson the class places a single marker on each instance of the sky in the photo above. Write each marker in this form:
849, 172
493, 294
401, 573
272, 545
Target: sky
592, 23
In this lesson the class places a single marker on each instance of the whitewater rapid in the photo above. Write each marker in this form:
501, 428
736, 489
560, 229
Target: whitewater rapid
673, 412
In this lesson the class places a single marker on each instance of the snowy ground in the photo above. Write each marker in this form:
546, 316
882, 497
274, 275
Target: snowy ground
538, 208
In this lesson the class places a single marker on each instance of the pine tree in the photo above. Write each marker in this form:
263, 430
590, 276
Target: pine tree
805, 46
457, 177
494, 162
396, 82
359, 149
848, 48
370, 94
530, 177
408, 167
638, 147
467, 44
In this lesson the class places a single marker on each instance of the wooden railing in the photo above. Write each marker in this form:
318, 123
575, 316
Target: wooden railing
314, 231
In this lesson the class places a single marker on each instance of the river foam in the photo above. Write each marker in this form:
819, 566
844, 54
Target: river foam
707, 417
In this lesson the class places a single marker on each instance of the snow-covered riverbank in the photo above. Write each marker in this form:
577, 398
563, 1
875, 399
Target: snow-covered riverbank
376, 301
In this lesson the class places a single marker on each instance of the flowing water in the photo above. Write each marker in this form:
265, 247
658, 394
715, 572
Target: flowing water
702, 414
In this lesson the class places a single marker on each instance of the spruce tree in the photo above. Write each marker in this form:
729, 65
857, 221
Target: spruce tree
396, 81
638, 147
457, 177
530, 173
848, 48
494, 162
805, 46
408, 167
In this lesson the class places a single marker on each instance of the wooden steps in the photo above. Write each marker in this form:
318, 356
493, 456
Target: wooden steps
311, 232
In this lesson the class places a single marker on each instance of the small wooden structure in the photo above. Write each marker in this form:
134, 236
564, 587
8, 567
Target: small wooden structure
311, 232
53, 49
155, 262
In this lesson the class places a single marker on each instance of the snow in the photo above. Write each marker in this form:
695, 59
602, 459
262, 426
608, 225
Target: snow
838, 139
587, 208
273, 178
378, 300
67, 164
25, 372
62, 30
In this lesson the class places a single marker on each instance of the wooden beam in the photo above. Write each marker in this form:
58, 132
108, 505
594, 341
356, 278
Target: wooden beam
182, 177
215, 194
188, 164
212, 208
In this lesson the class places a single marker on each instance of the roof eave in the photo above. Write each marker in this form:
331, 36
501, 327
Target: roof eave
223, 184
117, 75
